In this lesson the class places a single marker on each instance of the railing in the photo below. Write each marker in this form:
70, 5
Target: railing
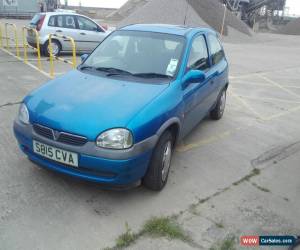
1, 36
26, 45
66, 38
8, 38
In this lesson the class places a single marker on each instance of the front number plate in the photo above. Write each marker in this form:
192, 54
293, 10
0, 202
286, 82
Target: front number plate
55, 154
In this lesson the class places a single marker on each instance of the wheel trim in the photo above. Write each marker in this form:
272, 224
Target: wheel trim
222, 102
55, 49
166, 160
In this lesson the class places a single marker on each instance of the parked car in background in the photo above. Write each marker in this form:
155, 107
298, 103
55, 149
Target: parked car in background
116, 118
86, 33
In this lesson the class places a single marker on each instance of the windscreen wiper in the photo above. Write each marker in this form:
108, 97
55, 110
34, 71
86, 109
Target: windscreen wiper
83, 67
113, 71
152, 75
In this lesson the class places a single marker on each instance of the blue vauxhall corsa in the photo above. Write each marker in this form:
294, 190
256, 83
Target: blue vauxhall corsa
116, 119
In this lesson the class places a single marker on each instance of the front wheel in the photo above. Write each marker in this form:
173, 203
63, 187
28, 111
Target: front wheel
159, 168
218, 111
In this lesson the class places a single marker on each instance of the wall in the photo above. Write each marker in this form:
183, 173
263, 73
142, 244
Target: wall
21, 7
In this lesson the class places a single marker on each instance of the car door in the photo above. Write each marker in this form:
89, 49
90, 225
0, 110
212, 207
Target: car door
196, 95
66, 26
218, 70
90, 34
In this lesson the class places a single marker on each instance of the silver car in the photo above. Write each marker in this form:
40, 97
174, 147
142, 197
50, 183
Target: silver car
86, 33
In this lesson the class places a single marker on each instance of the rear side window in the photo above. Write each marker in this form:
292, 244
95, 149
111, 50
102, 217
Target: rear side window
199, 55
216, 49
51, 21
86, 24
35, 20
63, 21
69, 22
60, 21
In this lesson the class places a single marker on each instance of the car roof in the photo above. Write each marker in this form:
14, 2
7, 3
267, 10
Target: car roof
180, 30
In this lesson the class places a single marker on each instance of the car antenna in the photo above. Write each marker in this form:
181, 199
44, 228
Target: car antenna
186, 12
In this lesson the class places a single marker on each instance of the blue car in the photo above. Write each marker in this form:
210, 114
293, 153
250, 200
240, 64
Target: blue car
116, 119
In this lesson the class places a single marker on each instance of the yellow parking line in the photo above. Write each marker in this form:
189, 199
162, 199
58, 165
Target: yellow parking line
269, 99
184, 148
279, 86
289, 111
265, 72
29, 64
246, 105
212, 139
293, 87
251, 83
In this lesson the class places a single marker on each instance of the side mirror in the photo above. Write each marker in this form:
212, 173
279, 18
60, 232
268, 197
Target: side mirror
193, 76
84, 57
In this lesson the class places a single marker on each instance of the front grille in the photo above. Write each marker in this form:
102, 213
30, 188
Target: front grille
62, 137
44, 131
72, 139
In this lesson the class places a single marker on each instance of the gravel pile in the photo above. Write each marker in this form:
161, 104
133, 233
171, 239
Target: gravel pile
204, 13
167, 12
129, 7
292, 28
212, 12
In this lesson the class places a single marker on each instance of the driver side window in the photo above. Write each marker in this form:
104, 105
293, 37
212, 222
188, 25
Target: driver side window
198, 58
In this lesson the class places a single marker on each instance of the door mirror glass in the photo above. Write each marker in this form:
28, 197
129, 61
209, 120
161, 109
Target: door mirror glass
193, 76
84, 57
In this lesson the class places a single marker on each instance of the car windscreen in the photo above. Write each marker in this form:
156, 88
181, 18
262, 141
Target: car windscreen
35, 20
139, 53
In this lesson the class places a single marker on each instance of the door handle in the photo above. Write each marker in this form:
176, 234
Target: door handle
82, 34
58, 31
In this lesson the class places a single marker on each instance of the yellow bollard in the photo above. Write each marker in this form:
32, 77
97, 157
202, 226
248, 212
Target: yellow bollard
1, 35
74, 52
26, 45
73, 63
51, 56
16, 37
223, 20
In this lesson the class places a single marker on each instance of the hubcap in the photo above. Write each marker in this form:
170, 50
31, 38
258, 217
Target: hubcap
166, 162
55, 49
222, 102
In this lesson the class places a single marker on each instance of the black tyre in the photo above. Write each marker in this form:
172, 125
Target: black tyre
56, 48
158, 170
218, 111
296, 246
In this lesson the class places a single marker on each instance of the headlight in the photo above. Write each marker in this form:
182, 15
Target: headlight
23, 114
118, 138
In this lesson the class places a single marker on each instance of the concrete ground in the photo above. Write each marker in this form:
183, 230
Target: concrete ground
213, 189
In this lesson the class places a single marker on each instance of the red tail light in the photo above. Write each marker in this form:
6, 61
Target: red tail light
40, 23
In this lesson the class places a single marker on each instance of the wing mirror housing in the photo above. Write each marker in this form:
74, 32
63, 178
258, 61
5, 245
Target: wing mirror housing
84, 57
193, 76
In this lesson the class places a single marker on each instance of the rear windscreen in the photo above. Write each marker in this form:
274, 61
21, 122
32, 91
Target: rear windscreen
35, 20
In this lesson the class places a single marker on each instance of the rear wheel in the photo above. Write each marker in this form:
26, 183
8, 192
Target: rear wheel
218, 111
159, 168
56, 48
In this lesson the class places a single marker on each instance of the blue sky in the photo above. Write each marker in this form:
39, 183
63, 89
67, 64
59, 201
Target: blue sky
294, 5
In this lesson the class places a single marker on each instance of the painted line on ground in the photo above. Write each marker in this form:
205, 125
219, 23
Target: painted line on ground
269, 99
246, 105
263, 72
279, 86
29, 64
182, 148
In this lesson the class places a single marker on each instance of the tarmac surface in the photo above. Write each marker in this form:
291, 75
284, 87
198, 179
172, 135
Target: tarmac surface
211, 187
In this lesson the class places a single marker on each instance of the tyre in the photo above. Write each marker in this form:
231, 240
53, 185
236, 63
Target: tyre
56, 48
158, 170
218, 111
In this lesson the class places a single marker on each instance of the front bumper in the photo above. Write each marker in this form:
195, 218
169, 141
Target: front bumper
112, 167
